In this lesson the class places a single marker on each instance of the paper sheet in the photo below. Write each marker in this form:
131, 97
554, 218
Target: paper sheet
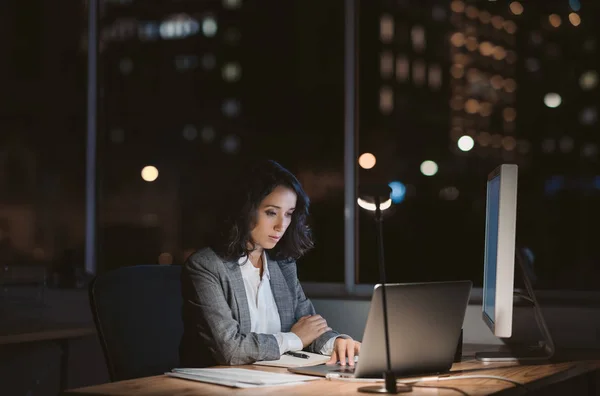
239, 378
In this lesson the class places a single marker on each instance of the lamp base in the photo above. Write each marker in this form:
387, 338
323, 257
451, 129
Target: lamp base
390, 386
382, 389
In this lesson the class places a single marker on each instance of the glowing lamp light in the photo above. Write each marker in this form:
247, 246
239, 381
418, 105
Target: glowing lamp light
371, 206
429, 168
398, 191
149, 173
552, 100
466, 143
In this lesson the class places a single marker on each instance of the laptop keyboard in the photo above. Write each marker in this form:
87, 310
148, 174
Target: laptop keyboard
345, 369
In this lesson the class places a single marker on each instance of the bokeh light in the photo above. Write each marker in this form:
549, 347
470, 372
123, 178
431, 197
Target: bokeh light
552, 100
466, 143
398, 191
149, 173
575, 19
367, 161
429, 168
516, 8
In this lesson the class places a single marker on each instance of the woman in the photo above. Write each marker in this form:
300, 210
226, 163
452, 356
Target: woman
242, 298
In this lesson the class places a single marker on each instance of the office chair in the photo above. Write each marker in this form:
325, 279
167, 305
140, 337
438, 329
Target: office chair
137, 311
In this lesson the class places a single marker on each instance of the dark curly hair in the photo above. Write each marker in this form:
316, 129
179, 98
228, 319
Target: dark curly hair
256, 182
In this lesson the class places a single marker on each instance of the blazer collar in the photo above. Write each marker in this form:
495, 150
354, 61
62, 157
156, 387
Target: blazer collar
281, 294
239, 291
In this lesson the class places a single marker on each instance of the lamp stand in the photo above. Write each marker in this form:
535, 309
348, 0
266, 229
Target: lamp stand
391, 387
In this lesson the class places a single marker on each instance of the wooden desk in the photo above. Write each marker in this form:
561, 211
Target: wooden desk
534, 377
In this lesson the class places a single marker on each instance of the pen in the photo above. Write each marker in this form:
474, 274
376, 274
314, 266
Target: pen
297, 354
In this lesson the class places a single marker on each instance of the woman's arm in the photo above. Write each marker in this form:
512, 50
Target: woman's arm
304, 306
210, 315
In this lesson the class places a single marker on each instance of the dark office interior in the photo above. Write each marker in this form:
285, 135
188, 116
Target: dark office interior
121, 127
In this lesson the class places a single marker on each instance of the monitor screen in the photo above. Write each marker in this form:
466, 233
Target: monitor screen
491, 246
499, 255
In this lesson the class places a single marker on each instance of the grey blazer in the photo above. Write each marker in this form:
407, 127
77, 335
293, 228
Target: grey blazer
217, 319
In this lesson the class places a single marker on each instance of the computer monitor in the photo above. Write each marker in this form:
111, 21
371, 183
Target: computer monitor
499, 259
499, 270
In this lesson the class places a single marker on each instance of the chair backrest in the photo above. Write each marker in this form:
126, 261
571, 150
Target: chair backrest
137, 311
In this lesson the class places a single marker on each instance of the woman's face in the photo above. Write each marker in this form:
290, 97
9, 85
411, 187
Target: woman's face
274, 217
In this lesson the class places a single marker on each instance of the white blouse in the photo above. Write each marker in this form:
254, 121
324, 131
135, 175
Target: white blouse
264, 316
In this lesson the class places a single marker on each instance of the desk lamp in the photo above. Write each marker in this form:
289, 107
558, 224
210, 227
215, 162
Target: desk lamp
377, 198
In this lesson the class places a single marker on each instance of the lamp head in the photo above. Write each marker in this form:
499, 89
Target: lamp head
369, 194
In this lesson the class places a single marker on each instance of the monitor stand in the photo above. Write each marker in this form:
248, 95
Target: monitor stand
545, 348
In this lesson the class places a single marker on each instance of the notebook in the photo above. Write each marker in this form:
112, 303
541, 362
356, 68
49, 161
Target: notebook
292, 361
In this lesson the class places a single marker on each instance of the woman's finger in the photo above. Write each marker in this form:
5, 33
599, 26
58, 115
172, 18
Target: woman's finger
333, 359
341, 350
350, 352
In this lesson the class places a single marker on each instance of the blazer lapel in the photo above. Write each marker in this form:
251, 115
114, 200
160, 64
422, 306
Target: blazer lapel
239, 291
282, 296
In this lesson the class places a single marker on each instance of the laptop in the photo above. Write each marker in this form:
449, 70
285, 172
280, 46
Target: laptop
425, 321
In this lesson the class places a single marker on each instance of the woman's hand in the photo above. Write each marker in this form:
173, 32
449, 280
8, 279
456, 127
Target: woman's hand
309, 327
342, 348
